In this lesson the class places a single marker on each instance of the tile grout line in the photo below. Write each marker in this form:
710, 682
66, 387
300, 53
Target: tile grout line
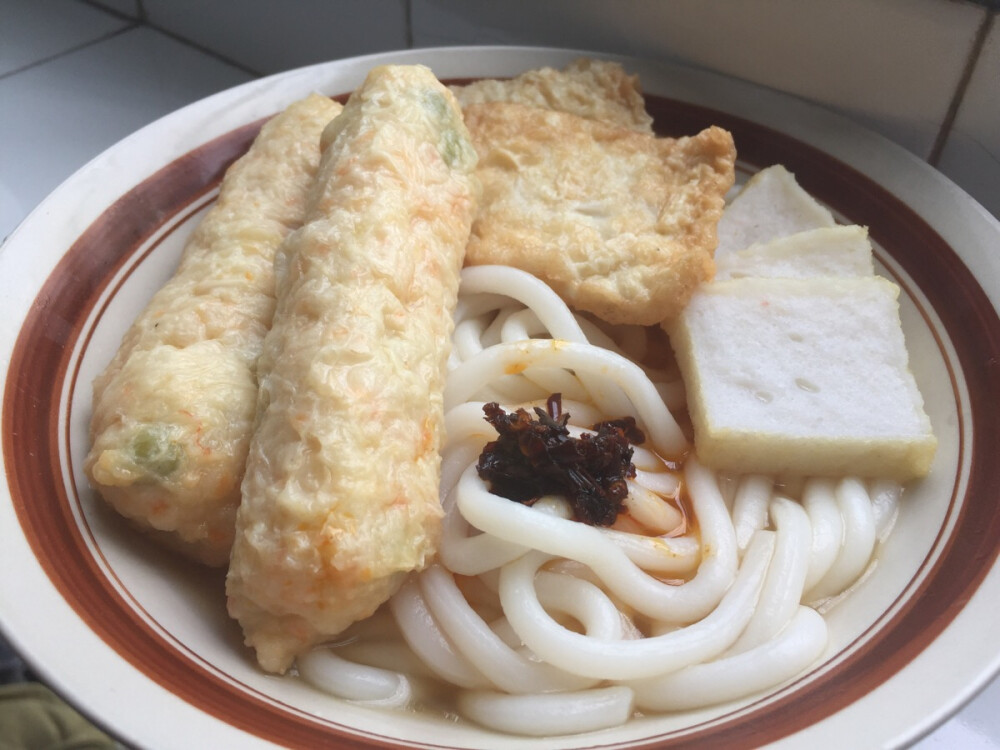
142, 20
202, 49
96, 5
978, 42
103, 38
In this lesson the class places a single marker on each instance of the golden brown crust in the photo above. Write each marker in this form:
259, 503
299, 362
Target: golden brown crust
595, 89
340, 499
620, 224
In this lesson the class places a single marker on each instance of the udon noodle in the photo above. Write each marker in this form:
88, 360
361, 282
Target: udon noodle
705, 590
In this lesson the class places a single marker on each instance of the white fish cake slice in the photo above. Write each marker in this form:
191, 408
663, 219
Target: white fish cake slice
802, 377
618, 223
595, 89
830, 251
340, 499
770, 205
173, 411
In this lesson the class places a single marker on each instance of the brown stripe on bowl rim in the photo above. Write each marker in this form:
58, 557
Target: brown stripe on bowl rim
33, 432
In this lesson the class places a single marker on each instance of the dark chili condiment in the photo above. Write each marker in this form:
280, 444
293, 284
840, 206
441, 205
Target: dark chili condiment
535, 457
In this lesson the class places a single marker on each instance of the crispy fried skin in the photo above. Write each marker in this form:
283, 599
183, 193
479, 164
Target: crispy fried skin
340, 499
620, 224
595, 89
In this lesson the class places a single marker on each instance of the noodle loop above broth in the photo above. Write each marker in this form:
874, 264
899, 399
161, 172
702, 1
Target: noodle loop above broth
696, 595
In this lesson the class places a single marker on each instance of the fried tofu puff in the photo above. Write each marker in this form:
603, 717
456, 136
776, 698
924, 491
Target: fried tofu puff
340, 500
594, 89
620, 224
173, 411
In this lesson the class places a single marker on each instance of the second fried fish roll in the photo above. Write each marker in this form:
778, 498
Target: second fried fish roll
173, 412
340, 499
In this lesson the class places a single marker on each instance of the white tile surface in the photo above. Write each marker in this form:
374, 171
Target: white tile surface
972, 153
128, 8
60, 114
271, 35
31, 30
891, 65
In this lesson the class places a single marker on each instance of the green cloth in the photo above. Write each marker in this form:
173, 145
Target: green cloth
32, 717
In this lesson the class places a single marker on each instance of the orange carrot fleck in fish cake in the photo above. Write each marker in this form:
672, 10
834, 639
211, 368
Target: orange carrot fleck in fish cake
340, 498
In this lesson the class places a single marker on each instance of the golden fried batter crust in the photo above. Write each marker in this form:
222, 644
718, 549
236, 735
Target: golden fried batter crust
595, 89
173, 411
340, 498
620, 224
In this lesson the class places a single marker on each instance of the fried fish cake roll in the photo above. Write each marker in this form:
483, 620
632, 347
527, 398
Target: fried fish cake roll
340, 499
173, 412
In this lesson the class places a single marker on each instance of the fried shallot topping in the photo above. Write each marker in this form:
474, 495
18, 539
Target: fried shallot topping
536, 457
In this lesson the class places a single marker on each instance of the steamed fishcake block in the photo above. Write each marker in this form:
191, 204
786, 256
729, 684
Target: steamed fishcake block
830, 251
802, 377
340, 500
174, 410
595, 89
619, 224
770, 205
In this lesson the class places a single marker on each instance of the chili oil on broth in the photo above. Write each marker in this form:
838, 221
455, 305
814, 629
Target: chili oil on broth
504, 372
378, 641
853, 634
